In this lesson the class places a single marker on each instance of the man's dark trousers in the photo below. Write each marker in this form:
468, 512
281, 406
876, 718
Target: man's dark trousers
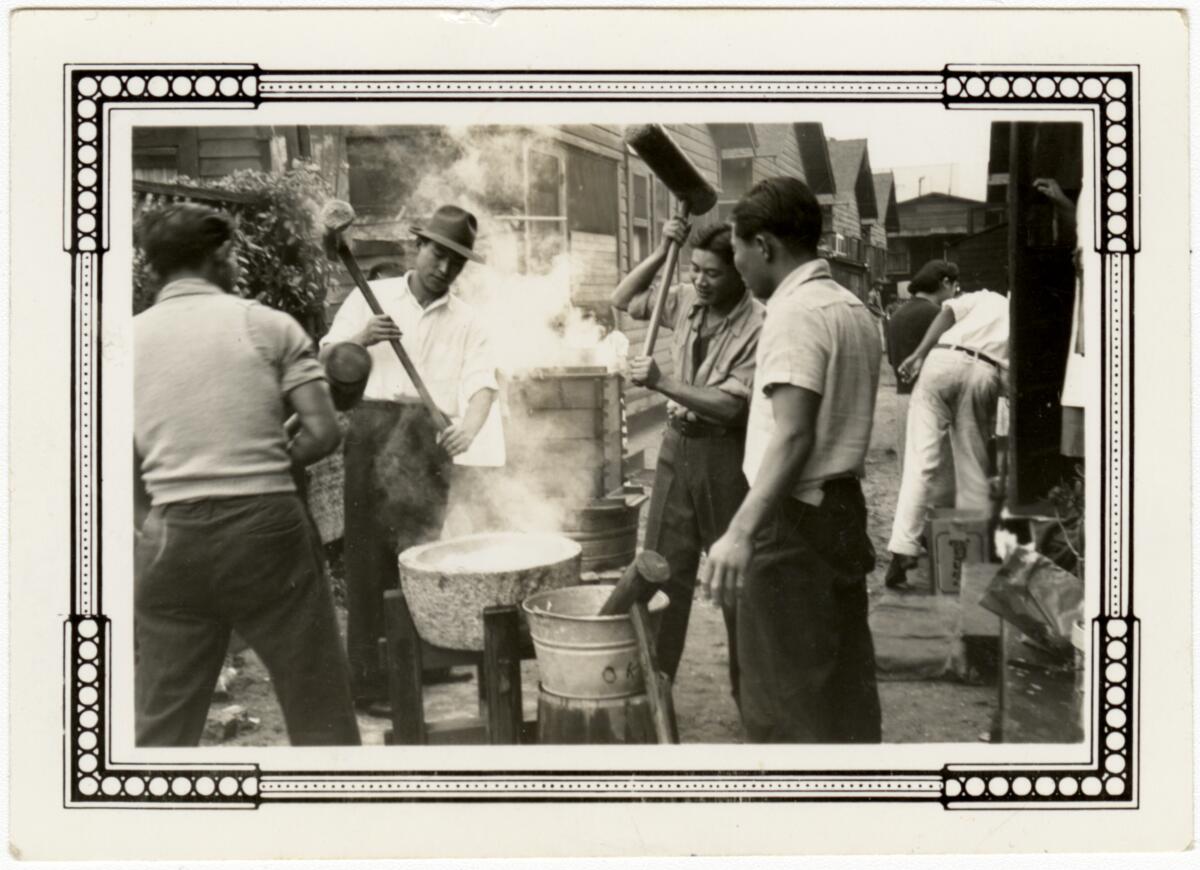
250, 564
698, 487
807, 660
397, 486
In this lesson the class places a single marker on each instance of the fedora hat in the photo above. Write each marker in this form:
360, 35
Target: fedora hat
451, 227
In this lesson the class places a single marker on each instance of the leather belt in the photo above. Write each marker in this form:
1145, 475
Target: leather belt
702, 429
974, 354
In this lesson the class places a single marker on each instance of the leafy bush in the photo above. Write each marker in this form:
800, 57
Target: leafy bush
278, 238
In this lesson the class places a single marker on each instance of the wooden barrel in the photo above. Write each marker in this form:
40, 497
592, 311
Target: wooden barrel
607, 530
594, 720
562, 432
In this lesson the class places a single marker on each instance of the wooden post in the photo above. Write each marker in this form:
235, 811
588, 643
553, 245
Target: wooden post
501, 673
658, 687
403, 671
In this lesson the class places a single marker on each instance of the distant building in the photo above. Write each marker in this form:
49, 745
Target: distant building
930, 226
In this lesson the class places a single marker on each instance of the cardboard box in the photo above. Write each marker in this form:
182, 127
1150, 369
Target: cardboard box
955, 537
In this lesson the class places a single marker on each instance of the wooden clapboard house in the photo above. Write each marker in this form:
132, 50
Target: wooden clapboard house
572, 188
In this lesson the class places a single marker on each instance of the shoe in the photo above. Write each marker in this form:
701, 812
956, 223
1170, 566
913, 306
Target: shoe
897, 572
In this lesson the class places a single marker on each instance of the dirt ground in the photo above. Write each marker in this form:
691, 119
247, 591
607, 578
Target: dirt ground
914, 711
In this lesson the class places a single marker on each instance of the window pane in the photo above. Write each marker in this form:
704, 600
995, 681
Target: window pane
662, 202
592, 200
641, 243
641, 197
546, 241
736, 176
545, 184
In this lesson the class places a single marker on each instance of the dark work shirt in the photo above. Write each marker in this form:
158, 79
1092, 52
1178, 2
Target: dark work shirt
906, 328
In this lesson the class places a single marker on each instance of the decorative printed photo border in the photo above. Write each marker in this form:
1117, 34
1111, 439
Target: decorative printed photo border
94, 778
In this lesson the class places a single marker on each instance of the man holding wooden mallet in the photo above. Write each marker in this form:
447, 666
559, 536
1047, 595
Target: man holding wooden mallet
398, 458
698, 481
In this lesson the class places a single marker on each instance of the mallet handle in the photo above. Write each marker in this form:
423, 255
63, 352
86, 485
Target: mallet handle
658, 688
439, 419
661, 301
647, 574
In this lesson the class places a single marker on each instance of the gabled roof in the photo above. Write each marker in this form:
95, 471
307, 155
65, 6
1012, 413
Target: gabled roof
936, 214
774, 139
947, 197
885, 198
814, 154
852, 172
729, 136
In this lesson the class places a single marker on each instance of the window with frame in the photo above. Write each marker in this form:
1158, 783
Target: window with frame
523, 188
543, 227
737, 177
650, 207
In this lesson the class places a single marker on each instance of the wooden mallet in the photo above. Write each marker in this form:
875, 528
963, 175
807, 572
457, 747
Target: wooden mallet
696, 197
647, 575
336, 216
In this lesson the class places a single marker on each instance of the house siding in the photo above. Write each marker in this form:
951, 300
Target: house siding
778, 152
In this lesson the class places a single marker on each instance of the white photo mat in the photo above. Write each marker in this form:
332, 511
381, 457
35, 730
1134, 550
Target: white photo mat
100, 769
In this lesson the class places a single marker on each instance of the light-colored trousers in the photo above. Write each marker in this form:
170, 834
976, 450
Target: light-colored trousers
941, 491
955, 396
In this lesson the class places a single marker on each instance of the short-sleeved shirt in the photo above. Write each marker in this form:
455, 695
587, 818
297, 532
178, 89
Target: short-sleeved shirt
211, 373
728, 360
821, 337
980, 323
449, 346
906, 327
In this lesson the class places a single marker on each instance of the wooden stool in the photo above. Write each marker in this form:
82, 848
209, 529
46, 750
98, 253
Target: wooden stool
498, 667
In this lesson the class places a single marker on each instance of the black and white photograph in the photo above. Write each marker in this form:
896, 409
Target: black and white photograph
475, 435
510, 449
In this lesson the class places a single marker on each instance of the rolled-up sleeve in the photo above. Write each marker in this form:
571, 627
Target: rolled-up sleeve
479, 361
961, 306
794, 348
350, 319
641, 306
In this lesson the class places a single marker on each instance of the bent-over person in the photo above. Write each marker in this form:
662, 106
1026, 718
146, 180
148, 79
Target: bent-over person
959, 369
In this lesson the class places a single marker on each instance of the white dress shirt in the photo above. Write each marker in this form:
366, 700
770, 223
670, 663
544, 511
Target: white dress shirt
448, 345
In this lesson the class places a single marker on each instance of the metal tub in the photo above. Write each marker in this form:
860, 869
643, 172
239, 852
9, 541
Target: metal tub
582, 655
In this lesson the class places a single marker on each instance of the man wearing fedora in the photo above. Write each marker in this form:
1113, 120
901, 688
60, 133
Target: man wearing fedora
397, 464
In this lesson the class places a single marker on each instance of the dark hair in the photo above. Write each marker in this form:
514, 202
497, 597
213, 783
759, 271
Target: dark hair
182, 235
930, 276
783, 206
716, 239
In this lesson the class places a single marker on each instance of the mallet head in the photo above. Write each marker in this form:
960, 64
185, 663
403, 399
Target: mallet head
336, 215
666, 160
